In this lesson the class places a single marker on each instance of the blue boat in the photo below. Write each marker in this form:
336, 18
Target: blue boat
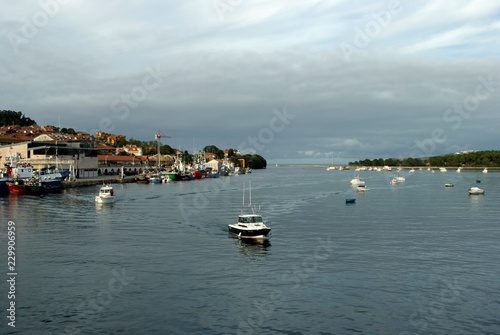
350, 200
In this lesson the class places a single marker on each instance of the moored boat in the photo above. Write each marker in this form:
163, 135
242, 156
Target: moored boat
356, 181
476, 191
16, 186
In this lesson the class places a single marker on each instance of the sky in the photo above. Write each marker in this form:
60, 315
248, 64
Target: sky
297, 82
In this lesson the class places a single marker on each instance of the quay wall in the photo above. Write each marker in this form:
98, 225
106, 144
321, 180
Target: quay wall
84, 182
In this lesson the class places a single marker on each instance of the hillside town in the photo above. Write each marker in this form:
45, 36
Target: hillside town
92, 155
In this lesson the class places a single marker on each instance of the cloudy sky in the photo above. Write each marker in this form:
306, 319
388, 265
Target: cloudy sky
296, 81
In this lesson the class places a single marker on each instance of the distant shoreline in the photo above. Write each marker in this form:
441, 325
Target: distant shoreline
324, 166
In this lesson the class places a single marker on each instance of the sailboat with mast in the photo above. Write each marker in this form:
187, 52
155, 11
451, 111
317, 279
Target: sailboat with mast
249, 225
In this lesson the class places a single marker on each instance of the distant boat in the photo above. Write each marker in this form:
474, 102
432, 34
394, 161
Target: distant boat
106, 195
155, 178
350, 200
356, 181
448, 185
485, 170
443, 169
476, 191
362, 188
459, 170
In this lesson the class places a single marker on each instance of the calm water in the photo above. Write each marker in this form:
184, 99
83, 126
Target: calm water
414, 258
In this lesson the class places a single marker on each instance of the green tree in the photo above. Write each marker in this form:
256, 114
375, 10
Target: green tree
10, 118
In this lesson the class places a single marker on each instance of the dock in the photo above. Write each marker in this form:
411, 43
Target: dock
85, 182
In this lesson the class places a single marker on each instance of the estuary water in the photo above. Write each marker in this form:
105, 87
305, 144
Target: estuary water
412, 258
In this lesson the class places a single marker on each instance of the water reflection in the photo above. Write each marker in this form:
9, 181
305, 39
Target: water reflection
252, 248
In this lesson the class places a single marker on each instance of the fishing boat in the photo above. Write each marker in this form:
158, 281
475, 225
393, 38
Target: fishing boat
155, 178
16, 186
106, 195
33, 186
475, 191
249, 225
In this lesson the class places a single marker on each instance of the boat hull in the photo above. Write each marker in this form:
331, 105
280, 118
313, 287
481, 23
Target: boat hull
16, 188
261, 233
4, 188
104, 200
51, 185
174, 176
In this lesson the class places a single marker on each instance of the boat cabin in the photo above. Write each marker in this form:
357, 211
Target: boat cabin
250, 218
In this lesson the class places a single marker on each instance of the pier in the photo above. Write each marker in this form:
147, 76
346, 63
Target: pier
84, 182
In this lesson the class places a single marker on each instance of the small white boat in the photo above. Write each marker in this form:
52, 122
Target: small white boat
475, 191
356, 181
249, 226
330, 168
443, 169
412, 170
485, 170
448, 185
362, 188
106, 195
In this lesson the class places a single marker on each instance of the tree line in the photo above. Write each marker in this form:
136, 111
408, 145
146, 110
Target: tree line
150, 148
12, 118
487, 158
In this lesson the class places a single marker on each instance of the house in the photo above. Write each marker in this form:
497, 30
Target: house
71, 155
130, 149
214, 164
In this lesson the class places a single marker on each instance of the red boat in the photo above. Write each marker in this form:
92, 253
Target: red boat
16, 187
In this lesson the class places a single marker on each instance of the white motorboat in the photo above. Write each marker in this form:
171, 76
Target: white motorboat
362, 188
476, 191
250, 225
459, 170
485, 170
106, 195
356, 181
